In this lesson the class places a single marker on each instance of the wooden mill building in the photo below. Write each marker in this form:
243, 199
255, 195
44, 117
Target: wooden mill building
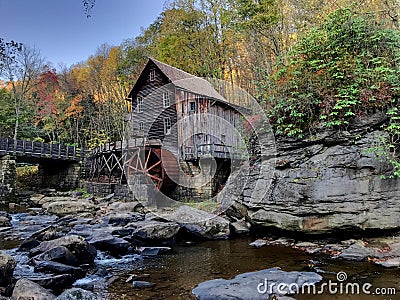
179, 120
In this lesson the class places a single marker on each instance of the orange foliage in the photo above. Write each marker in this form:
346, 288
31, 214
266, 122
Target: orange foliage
75, 109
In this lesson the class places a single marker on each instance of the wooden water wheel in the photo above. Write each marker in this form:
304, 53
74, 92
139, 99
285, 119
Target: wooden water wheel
148, 163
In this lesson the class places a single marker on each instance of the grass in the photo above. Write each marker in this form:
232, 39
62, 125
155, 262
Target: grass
207, 206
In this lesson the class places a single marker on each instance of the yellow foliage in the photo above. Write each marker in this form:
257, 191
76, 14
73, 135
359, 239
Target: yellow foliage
75, 109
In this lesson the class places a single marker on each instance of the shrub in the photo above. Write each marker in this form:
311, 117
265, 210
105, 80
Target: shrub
342, 69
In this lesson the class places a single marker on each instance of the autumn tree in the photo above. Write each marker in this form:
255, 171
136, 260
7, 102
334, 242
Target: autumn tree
108, 90
21, 70
47, 94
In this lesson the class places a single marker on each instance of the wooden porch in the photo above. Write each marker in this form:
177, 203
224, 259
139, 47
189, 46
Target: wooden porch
213, 150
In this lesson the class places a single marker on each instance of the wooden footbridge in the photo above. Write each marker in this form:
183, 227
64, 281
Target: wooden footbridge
59, 166
39, 151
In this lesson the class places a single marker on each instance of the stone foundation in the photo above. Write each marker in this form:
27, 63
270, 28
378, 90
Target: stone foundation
195, 173
120, 191
60, 176
8, 176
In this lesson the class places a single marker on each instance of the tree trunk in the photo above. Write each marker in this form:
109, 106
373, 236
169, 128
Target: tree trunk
16, 126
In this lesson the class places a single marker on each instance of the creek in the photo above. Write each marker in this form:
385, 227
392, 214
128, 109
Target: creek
189, 263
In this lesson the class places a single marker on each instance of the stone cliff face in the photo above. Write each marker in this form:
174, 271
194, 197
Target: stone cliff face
327, 182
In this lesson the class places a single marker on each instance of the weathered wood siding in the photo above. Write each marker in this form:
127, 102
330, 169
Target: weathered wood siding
205, 126
209, 128
153, 110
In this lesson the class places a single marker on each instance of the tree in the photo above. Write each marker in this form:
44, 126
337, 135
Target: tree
8, 51
22, 69
6, 114
87, 6
47, 94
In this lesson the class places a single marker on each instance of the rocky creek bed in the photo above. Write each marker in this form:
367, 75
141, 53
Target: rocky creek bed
76, 247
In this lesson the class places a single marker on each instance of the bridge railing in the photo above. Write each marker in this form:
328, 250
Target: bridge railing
42, 150
106, 148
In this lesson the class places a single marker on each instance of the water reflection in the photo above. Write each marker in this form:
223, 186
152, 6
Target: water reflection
175, 275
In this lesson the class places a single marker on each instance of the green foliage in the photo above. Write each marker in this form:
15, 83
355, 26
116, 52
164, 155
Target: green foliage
344, 68
388, 148
26, 130
7, 115
262, 14
83, 191
97, 139
207, 206
26, 176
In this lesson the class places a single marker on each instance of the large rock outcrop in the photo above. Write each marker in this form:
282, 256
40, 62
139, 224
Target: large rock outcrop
327, 182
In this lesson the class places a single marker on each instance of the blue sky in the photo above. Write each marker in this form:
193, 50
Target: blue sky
62, 32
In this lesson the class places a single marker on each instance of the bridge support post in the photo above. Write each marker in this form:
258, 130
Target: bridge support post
8, 177
208, 167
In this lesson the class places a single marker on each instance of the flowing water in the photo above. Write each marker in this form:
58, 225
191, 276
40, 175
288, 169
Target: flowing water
175, 274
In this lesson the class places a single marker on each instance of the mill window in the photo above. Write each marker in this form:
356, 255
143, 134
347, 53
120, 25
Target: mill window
166, 99
192, 106
139, 107
152, 75
167, 125
141, 125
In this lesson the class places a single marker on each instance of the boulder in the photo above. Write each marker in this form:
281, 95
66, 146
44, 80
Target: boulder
48, 233
258, 243
41, 200
28, 244
201, 223
7, 266
59, 254
152, 251
5, 221
53, 282
155, 231
132, 206
77, 245
36, 199
77, 294
107, 242
358, 252
26, 289
101, 236
58, 268
255, 285
122, 218
241, 227
63, 208
142, 284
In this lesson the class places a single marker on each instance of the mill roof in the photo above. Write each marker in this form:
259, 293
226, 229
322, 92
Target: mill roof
185, 81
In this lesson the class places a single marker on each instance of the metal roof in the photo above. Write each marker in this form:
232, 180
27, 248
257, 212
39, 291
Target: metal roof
188, 82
